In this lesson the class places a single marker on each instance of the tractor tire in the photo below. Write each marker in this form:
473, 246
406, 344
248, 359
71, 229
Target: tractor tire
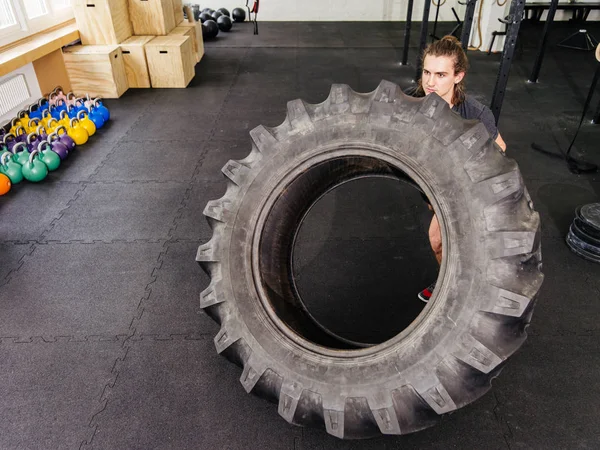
486, 288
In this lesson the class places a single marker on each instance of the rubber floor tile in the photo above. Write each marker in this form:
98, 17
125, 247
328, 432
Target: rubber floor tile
166, 126
474, 426
122, 118
192, 225
84, 160
30, 208
120, 211
219, 151
173, 306
275, 60
235, 125
12, 259
556, 202
181, 394
39, 380
252, 101
151, 161
548, 408
66, 290
568, 298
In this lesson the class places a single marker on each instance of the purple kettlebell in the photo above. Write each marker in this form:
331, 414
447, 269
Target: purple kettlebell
41, 131
58, 147
33, 141
9, 140
65, 138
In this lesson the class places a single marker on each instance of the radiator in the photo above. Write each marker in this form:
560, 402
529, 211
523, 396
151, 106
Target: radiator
13, 92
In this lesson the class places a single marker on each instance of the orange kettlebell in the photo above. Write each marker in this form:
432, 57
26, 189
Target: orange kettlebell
4, 184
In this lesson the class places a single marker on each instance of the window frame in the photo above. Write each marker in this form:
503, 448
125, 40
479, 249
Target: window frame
26, 27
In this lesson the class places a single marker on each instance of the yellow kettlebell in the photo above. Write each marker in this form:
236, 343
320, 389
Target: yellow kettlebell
64, 118
77, 132
32, 125
52, 125
86, 123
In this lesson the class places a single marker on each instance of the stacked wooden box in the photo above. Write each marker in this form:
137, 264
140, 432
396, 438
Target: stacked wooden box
132, 43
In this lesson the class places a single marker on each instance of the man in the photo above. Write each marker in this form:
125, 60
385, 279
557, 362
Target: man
445, 65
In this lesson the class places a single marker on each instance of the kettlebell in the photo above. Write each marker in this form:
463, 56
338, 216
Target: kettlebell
102, 109
71, 111
11, 169
21, 134
33, 124
34, 169
4, 184
3, 149
64, 118
86, 123
96, 117
20, 156
9, 140
77, 132
52, 125
33, 140
71, 99
58, 147
42, 133
46, 116
23, 116
65, 138
47, 156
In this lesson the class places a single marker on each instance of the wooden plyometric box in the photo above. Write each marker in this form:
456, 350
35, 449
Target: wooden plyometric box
178, 10
170, 61
97, 70
188, 31
102, 22
134, 58
151, 17
199, 44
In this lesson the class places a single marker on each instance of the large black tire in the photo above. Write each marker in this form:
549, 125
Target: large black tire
487, 284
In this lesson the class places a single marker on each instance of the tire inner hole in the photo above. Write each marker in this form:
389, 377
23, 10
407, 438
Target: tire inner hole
345, 251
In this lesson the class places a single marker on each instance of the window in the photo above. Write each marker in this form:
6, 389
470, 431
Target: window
22, 18
35, 8
7, 16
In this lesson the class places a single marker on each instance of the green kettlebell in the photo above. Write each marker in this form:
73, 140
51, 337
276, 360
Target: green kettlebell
21, 156
35, 170
11, 169
3, 149
47, 156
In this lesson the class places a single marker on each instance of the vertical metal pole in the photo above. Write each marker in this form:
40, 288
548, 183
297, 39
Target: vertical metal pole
407, 32
468, 24
535, 73
515, 17
423, 43
435, 22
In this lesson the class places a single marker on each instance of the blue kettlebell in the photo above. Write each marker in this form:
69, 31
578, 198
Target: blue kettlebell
102, 109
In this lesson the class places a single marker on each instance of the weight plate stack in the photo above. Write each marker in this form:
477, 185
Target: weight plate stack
584, 233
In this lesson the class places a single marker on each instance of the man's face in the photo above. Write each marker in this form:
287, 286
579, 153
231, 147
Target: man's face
439, 77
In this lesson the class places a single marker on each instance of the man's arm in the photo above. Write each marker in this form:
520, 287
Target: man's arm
501, 143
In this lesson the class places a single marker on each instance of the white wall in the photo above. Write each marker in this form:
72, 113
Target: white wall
355, 10
32, 84
335, 10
